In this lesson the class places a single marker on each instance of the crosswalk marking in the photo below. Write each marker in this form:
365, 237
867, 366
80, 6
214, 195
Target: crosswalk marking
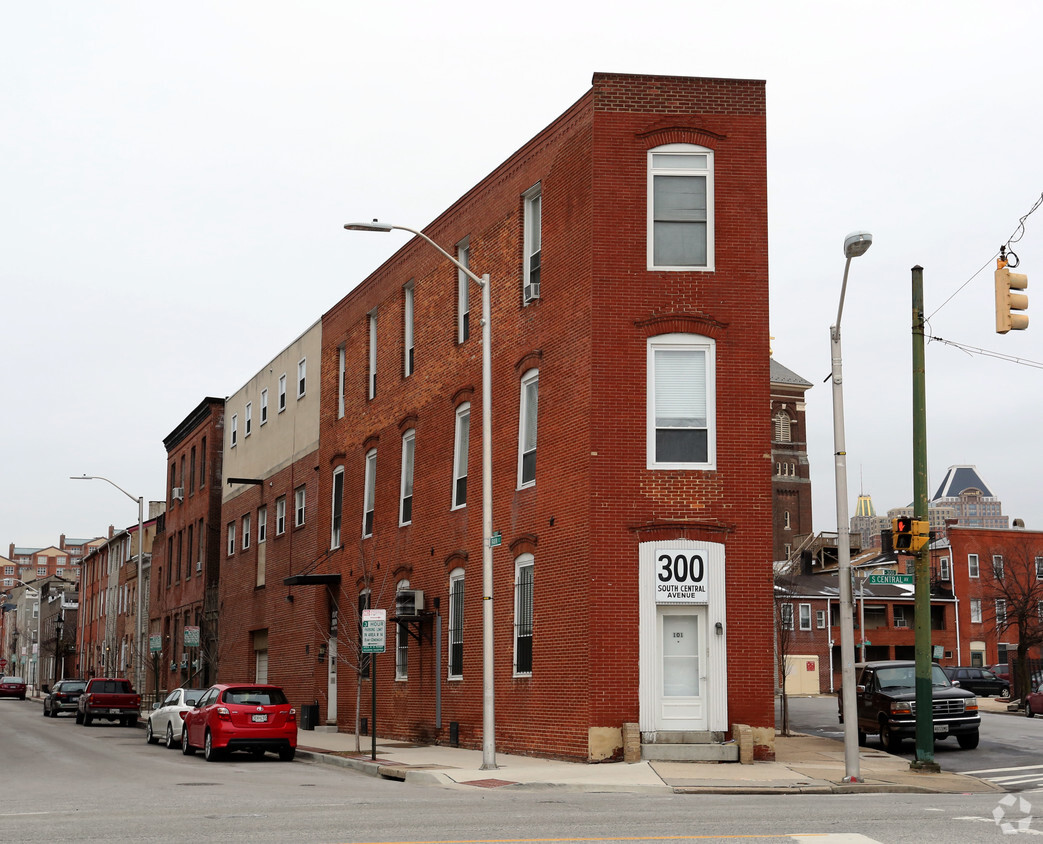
1014, 778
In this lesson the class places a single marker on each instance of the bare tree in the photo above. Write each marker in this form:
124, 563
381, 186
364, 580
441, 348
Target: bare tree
1012, 582
783, 617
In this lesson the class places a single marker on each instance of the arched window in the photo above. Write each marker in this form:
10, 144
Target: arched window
783, 433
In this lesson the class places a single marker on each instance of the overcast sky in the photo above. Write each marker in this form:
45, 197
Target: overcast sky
174, 179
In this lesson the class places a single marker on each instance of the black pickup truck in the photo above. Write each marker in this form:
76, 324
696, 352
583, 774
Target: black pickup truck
886, 704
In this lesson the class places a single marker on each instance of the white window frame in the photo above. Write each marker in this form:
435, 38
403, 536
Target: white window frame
406, 485
408, 357
1039, 568
524, 616
369, 492
1001, 612
302, 377
371, 381
532, 243
262, 524
973, 569
463, 292
976, 610
341, 367
235, 430
248, 413
683, 342
337, 507
457, 589
528, 440
461, 447
820, 619
299, 504
282, 392
997, 566
264, 405
231, 538
245, 541
401, 642
804, 616
783, 429
661, 168
944, 572
280, 515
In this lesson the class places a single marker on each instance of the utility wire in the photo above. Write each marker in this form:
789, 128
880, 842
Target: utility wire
974, 350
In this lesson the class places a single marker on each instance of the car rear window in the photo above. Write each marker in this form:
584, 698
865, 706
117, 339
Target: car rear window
12, 680
255, 697
73, 687
111, 687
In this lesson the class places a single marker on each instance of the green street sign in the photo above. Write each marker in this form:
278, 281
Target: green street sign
891, 579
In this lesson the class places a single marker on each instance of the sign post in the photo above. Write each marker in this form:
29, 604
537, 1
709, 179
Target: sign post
374, 641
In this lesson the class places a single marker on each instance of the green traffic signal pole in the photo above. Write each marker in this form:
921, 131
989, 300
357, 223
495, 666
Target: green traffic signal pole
924, 694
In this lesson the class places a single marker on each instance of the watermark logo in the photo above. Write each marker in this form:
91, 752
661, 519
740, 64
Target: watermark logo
1006, 816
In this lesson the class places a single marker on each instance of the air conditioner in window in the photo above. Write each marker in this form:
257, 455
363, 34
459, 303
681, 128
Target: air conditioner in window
178, 493
530, 292
901, 622
409, 603
199, 565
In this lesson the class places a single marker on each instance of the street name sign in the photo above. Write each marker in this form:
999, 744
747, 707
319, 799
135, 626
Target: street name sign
891, 579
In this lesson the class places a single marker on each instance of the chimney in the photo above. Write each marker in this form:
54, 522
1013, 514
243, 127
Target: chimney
112, 530
61, 542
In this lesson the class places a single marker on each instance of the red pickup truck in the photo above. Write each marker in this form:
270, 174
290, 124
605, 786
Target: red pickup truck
111, 699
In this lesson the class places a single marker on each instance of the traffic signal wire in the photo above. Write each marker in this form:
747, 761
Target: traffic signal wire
974, 350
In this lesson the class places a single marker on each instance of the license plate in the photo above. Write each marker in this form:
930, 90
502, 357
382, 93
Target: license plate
115, 711
259, 719
941, 729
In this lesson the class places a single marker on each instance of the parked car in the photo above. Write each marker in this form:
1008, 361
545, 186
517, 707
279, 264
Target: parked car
981, 681
63, 697
241, 716
167, 717
1001, 670
886, 704
13, 686
111, 699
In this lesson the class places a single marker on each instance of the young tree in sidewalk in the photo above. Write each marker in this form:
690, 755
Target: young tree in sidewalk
1012, 584
784, 626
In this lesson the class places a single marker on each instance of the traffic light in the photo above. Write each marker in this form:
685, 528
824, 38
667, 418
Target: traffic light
910, 535
1007, 301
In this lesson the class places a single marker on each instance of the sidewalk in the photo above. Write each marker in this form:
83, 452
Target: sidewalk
803, 765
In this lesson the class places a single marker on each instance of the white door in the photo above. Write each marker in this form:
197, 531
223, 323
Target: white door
682, 668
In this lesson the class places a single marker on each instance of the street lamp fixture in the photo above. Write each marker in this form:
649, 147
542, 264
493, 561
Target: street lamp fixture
141, 553
488, 697
855, 244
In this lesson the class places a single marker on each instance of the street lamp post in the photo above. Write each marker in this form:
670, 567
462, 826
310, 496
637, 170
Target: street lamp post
141, 554
855, 244
488, 698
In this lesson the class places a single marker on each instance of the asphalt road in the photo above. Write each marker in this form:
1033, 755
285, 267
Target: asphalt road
1010, 752
64, 782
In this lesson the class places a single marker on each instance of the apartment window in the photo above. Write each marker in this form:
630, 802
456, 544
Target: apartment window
235, 431
248, 419
997, 566
302, 377
782, 428
820, 619
231, 538
786, 616
805, 616
282, 392
407, 330
527, 429
1039, 568
405, 514
456, 624
192, 471
463, 292
401, 642
976, 610
785, 520
280, 515
1001, 612
298, 507
943, 569
341, 364
201, 535
364, 659
681, 402
369, 493
972, 565
460, 448
338, 506
680, 208
523, 606
262, 524
202, 464
533, 242
372, 380
246, 533
264, 405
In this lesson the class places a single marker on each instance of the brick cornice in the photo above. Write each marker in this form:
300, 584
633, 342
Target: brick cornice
680, 322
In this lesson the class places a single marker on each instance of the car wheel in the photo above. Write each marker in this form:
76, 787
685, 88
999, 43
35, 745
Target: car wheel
171, 744
287, 753
888, 739
79, 717
210, 753
88, 719
150, 737
1005, 693
186, 748
46, 714
1028, 710
968, 741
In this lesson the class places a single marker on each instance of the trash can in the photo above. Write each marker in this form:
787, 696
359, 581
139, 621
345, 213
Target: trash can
309, 716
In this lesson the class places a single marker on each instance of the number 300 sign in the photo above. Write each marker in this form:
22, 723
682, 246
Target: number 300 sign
680, 577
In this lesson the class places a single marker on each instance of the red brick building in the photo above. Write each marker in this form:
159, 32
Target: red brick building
186, 562
791, 478
627, 249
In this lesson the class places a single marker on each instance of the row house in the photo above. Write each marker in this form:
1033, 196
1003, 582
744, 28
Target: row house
626, 246
183, 632
106, 638
29, 635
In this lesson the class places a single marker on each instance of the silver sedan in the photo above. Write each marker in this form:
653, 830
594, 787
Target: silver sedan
164, 722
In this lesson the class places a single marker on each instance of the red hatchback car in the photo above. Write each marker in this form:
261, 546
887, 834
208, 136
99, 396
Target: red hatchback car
12, 687
241, 716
